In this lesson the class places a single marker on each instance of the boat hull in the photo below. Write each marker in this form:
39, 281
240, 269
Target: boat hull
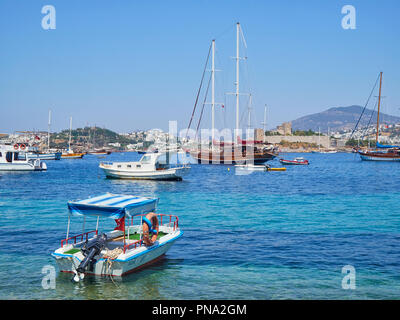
22, 167
167, 174
290, 162
72, 155
221, 158
378, 157
46, 156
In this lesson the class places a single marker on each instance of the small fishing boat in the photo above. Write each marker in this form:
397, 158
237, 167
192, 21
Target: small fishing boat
10, 159
152, 166
100, 152
251, 167
69, 154
32, 152
140, 237
45, 155
296, 161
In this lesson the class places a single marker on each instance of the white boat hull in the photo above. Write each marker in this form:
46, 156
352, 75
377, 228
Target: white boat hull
25, 166
45, 156
167, 174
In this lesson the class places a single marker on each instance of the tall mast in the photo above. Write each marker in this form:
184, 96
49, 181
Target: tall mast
48, 131
213, 94
379, 105
249, 116
70, 128
237, 77
264, 123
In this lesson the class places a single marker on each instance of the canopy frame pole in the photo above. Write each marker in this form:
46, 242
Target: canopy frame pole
69, 222
97, 225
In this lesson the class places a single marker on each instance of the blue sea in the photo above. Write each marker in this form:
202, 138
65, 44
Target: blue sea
267, 235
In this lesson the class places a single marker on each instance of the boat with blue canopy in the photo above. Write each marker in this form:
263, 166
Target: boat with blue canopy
139, 238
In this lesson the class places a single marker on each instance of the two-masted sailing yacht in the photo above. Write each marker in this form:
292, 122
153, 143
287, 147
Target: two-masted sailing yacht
381, 152
237, 151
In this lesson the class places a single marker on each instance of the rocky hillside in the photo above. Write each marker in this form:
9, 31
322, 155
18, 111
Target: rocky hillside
340, 118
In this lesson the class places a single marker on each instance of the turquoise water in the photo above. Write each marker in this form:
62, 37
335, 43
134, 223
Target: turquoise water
274, 235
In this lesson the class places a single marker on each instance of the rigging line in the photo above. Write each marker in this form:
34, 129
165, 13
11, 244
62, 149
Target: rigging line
365, 106
198, 92
370, 118
231, 26
202, 109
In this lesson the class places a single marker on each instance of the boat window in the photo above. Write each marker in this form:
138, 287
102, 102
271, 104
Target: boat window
145, 159
119, 166
129, 166
15, 155
0, 155
9, 156
138, 166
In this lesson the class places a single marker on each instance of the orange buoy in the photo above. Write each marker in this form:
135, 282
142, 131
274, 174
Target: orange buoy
150, 228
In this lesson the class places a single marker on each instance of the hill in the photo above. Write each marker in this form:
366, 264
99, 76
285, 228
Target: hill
88, 137
340, 118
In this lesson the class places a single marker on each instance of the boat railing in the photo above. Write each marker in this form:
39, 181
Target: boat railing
106, 163
81, 236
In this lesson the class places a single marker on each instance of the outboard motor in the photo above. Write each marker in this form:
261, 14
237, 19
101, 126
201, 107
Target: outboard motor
90, 250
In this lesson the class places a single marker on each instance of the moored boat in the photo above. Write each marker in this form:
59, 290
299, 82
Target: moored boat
381, 152
140, 238
152, 166
296, 161
69, 154
251, 167
99, 152
10, 159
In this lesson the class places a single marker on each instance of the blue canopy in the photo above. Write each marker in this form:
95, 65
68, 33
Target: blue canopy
113, 206
378, 145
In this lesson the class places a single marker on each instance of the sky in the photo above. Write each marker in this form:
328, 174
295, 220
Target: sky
134, 65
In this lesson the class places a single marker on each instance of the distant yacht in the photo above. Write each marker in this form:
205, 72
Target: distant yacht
69, 153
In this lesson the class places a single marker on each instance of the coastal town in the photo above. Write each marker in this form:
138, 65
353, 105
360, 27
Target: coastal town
283, 137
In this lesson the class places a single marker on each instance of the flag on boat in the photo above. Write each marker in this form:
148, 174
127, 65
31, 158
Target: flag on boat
113, 206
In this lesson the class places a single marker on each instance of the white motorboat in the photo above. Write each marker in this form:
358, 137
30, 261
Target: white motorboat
251, 167
11, 161
123, 250
152, 166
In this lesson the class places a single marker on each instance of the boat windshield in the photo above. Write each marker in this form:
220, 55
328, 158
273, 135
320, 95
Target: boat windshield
145, 159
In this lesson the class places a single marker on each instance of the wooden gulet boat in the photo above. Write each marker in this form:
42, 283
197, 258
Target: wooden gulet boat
237, 152
140, 238
382, 152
